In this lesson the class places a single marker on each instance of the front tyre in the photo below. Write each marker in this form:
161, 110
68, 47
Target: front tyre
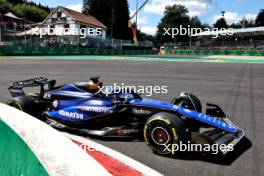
162, 130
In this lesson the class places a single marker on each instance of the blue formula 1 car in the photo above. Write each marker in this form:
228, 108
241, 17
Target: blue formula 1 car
80, 107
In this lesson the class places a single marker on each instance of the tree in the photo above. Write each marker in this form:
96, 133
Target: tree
112, 13
101, 10
30, 12
121, 17
260, 18
141, 36
174, 17
23, 9
244, 23
195, 22
16, 1
5, 7
220, 23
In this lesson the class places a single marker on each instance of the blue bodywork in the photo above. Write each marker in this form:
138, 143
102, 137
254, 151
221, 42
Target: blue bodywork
187, 113
77, 105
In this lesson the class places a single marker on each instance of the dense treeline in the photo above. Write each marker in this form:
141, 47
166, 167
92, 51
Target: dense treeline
177, 15
115, 15
28, 10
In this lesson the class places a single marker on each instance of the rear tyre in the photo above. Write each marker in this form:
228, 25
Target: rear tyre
162, 131
26, 104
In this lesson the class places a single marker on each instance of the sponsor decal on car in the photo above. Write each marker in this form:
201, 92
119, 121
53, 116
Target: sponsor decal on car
47, 96
74, 115
141, 111
127, 131
98, 109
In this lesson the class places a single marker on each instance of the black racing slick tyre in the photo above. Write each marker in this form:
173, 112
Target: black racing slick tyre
164, 130
26, 104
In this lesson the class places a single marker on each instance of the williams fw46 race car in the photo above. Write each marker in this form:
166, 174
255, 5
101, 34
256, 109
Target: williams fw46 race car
80, 107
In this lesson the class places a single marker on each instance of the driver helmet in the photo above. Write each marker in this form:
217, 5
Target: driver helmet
94, 84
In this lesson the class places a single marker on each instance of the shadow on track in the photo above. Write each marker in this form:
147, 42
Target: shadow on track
244, 145
227, 159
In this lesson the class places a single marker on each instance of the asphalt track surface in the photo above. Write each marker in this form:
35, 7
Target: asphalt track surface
237, 87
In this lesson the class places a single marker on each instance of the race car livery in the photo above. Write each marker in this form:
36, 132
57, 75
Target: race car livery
76, 108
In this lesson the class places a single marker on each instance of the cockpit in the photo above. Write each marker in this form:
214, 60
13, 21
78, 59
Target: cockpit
91, 86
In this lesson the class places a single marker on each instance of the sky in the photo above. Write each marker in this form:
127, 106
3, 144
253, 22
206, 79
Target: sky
207, 10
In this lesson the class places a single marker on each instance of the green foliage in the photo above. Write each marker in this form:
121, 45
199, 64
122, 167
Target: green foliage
16, 1
260, 18
121, 18
23, 9
195, 22
220, 23
174, 17
5, 6
112, 13
141, 36
244, 23
30, 12
101, 10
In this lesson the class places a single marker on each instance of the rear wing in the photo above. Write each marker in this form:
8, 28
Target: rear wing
16, 88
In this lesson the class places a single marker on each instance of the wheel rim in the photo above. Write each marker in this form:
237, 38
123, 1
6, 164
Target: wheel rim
160, 136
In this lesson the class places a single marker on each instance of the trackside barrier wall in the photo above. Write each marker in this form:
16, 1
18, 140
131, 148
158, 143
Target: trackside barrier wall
216, 52
31, 50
